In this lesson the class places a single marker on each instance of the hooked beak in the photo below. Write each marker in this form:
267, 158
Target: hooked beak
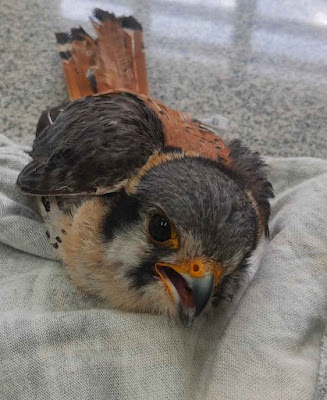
190, 288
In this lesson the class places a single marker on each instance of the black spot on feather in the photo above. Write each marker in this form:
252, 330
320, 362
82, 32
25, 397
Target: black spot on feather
130, 23
46, 203
92, 79
78, 34
65, 55
63, 37
102, 15
126, 22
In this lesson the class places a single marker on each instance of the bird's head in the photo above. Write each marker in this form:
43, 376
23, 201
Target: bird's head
173, 234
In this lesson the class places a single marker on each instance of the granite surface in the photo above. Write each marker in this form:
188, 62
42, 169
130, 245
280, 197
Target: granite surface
260, 63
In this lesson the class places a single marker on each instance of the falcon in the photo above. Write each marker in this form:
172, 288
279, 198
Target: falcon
146, 207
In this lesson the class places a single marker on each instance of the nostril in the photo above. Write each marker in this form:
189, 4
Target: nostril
196, 268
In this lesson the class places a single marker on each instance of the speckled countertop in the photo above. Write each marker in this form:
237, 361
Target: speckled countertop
260, 63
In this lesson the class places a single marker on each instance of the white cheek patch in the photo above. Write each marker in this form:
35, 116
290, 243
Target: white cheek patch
128, 248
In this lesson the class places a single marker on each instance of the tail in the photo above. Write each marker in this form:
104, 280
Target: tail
114, 60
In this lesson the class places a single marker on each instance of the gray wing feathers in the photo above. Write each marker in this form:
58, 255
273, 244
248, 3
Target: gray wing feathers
93, 146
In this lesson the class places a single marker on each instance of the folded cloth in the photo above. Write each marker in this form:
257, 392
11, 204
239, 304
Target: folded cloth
58, 343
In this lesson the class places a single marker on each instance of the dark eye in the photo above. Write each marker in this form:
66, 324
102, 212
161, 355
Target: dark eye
160, 228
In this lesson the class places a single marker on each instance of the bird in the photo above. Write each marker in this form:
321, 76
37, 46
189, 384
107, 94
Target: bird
145, 206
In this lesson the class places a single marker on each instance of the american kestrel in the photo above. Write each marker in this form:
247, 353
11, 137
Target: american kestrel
146, 207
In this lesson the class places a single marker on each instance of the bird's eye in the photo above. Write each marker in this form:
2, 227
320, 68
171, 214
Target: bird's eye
159, 228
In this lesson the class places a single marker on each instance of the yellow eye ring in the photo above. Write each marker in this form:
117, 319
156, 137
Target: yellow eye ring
161, 231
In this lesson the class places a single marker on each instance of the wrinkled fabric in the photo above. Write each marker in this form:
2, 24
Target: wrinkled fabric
58, 343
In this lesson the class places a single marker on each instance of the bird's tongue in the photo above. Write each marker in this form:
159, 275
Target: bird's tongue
184, 292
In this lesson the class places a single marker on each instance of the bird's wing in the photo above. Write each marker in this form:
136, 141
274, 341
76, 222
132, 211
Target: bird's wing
95, 145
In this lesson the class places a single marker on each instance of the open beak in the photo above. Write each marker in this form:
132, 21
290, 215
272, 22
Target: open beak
190, 285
